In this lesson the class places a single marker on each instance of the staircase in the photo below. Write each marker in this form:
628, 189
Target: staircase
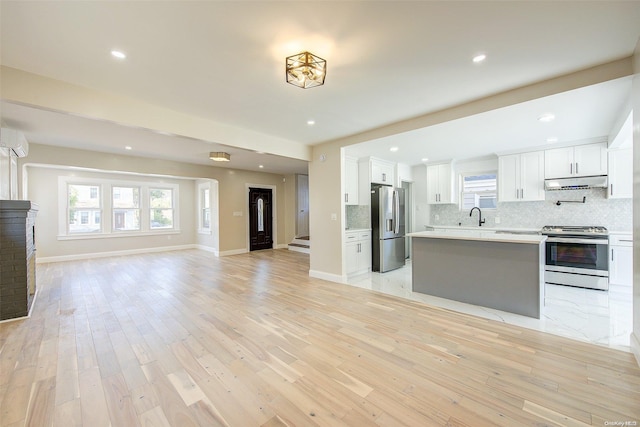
301, 244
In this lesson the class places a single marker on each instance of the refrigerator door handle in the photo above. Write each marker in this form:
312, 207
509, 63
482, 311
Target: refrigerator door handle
396, 212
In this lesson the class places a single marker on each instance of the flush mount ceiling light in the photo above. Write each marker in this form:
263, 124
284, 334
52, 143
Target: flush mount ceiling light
219, 156
306, 70
393, 149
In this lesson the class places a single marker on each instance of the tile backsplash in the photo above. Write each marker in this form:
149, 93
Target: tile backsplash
357, 216
615, 214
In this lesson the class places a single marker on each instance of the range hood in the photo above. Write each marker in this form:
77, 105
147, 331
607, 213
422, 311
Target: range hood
577, 183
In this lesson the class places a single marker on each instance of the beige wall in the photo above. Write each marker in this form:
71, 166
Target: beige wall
635, 336
232, 186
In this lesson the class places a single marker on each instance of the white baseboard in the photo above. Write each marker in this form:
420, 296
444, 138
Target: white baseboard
208, 249
327, 276
43, 260
233, 252
635, 346
282, 246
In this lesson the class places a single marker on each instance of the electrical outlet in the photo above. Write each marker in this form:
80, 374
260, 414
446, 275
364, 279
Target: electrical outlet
237, 213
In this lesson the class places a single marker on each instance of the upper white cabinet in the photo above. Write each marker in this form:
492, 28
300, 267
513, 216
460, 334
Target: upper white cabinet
351, 181
373, 171
580, 160
440, 184
621, 174
521, 177
382, 172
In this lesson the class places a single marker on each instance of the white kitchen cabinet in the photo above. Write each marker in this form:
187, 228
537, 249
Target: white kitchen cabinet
351, 181
579, 160
440, 184
521, 177
620, 174
621, 259
357, 252
373, 171
382, 172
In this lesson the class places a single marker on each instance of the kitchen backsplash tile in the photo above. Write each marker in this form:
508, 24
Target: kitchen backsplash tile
357, 216
615, 214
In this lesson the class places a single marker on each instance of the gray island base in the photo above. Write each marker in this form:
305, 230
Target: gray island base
505, 272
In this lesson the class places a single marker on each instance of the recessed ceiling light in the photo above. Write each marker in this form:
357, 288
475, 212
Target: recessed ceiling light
260, 166
118, 54
393, 149
424, 159
259, 152
479, 58
128, 147
552, 139
546, 117
311, 122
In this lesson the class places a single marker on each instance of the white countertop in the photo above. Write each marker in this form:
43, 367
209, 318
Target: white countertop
485, 235
476, 228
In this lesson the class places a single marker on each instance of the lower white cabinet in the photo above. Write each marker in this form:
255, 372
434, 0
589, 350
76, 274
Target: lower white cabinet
358, 252
621, 259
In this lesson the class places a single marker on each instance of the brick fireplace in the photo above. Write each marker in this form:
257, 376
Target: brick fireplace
17, 257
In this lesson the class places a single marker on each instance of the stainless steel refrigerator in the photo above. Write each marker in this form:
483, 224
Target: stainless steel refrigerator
387, 222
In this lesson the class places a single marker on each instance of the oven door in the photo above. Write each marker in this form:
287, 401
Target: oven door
578, 255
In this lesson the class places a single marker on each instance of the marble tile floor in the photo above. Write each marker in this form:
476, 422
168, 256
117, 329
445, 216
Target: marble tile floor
598, 317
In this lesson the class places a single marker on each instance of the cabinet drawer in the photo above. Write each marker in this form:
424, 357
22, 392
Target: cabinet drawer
351, 237
364, 235
621, 240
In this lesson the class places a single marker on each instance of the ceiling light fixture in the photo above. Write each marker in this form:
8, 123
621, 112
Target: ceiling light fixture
546, 117
260, 166
219, 156
479, 58
393, 149
305, 70
424, 159
552, 139
311, 122
128, 147
118, 54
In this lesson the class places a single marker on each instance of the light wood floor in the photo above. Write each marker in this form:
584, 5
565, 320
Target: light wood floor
187, 339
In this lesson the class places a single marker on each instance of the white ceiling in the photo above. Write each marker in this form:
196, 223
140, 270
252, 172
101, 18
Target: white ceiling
387, 62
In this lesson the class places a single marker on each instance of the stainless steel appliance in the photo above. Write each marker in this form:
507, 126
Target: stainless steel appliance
387, 221
577, 256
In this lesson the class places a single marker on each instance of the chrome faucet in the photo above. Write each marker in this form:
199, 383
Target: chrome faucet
480, 220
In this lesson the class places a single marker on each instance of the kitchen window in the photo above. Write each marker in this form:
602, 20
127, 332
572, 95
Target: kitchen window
479, 190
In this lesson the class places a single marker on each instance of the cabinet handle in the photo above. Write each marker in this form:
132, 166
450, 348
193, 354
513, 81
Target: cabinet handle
384, 177
611, 191
359, 247
346, 197
571, 169
577, 168
611, 254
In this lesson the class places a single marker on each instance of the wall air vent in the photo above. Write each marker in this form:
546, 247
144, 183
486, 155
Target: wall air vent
14, 140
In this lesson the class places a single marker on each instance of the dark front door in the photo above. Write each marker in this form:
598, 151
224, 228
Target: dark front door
260, 233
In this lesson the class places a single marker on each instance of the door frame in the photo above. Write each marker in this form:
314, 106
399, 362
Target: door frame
274, 216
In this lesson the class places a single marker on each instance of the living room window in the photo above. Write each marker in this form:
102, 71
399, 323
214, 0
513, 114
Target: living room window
133, 208
126, 208
83, 207
204, 204
161, 208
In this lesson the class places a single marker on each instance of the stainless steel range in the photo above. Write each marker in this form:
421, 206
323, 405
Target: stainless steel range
577, 256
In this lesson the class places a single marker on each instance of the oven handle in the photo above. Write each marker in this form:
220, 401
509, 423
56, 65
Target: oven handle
572, 240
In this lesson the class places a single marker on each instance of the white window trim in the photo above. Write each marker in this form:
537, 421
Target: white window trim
201, 229
461, 193
106, 217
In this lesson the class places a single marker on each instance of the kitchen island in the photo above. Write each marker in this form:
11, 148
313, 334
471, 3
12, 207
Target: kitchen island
492, 269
